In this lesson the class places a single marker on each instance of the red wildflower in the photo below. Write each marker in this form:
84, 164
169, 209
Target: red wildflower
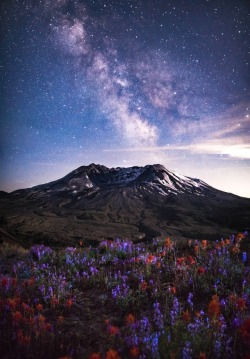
241, 304
244, 331
94, 356
201, 270
113, 330
191, 260
17, 316
186, 316
14, 282
134, 352
143, 286
180, 261
202, 355
54, 301
233, 298
112, 354
4, 282
31, 321
23, 339
48, 327
31, 281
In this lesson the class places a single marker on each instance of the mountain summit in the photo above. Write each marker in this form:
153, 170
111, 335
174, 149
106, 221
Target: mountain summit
95, 202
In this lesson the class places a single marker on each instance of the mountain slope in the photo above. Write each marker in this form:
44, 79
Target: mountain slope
95, 202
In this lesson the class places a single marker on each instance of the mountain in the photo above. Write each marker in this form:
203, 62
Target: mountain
95, 202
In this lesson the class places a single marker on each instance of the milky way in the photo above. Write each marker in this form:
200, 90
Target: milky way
125, 83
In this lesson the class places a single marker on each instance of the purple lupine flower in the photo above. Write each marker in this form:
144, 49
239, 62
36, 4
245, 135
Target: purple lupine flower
187, 351
189, 300
158, 317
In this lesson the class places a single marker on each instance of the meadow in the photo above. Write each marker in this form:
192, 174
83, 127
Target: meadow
120, 299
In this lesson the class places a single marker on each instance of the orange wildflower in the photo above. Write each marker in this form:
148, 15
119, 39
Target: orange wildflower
214, 307
134, 352
186, 316
204, 243
39, 307
130, 319
235, 249
60, 319
94, 356
150, 259
69, 303
172, 290
11, 303
41, 318
167, 243
240, 236
112, 354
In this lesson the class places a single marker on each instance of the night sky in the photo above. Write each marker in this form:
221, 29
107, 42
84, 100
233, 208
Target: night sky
125, 83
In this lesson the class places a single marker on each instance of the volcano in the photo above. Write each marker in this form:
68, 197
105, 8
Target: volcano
95, 202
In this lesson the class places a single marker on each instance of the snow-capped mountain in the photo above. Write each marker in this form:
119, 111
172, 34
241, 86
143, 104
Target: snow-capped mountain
94, 201
100, 177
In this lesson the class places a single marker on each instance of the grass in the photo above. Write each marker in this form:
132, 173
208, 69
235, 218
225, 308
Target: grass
165, 299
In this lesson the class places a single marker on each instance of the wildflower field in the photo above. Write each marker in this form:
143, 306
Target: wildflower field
125, 300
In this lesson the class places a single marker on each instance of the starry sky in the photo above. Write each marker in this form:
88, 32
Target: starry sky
124, 83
